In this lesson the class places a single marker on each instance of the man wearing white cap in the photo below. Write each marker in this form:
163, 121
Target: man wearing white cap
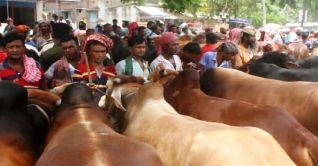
185, 30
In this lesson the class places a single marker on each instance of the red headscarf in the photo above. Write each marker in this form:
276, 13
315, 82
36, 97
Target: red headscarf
23, 28
166, 38
234, 35
106, 41
132, 26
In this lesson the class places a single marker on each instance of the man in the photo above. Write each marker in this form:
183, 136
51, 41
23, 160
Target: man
149, 25
19, 68
55, 53
61, 71
43, 35
30, 51
211, 40
221, 58
156, 31
80, 32
208, 30
115, 24
246, 45
134, 64
118, 32
185, 30
189, 54
168, 48
304, 36
142, 31
124, 30
108, 30
3, 54
89, 32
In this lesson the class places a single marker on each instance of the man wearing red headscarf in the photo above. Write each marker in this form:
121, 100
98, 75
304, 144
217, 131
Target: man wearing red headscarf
132, 28
167, 51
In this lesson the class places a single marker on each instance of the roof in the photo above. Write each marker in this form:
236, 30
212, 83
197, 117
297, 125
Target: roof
156, 12
306, 24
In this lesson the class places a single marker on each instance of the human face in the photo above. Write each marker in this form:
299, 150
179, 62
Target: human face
189, 57
21, 33
142, 33
227, 56
97, 53
173, 29
158, 31
251, 40
172, 48
15, 50
118, 31
138, 49
90, 33
44, 27
70, 50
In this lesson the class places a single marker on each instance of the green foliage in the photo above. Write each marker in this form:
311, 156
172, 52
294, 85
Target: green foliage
136, 2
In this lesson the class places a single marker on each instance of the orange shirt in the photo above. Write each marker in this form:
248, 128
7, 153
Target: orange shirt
242, 57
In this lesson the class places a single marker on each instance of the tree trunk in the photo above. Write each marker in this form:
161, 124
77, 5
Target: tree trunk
304, 13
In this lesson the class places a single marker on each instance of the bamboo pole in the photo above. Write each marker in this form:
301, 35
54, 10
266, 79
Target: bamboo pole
90, 81
145, 69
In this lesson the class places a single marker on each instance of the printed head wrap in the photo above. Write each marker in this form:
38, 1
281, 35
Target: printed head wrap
228, 47
106, 41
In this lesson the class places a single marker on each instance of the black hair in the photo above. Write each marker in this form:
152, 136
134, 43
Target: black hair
135, 40
153, 28
150, 22
141, 28
192, 48
60, 30
2, 42
211, 38
10, 37
81, 25
90, 29
115, 20
69, 38
172, 26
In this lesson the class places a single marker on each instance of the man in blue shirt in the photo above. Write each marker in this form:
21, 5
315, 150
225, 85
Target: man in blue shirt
134, 64
219, 58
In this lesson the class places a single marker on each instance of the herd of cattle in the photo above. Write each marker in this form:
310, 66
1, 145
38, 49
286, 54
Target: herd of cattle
224, 117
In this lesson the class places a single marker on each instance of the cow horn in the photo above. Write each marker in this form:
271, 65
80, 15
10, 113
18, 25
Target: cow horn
163, 72
117, 80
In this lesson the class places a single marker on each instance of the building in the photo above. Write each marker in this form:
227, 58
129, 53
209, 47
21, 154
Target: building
103, 11
21, 11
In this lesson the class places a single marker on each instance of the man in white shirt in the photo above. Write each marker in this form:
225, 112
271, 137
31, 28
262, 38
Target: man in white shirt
168, 48
134, 64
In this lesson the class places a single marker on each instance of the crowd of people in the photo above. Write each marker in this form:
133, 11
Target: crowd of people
55, 53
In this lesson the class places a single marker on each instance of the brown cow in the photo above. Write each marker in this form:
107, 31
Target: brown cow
299, 50
80, 135
182, 140
185, 96
19, 145
298, 98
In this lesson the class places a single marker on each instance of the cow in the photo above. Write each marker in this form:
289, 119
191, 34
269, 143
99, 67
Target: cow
19, 144
309, 63
185, 96
41, 106
299, 50
298, 98
80, 134
182, 140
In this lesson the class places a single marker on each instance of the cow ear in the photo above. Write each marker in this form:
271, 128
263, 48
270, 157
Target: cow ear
291, 65
116, 95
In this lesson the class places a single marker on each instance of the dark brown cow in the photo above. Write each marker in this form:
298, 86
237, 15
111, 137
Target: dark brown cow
299, 50
19, 144
80, 135
185, 96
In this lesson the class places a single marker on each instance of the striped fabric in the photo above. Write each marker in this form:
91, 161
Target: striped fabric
228, 47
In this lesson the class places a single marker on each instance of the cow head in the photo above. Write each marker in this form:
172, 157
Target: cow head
163, 76
281, 58
119, 93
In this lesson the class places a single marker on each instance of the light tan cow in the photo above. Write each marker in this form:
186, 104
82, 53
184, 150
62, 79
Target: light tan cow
182, 140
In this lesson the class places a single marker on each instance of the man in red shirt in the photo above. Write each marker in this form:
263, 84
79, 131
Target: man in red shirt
19, 68
211, 40
3, 53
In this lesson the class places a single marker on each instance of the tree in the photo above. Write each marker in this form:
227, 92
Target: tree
136, 2
181, 6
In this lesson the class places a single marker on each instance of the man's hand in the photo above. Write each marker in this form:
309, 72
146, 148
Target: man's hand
191, 65
92, 86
